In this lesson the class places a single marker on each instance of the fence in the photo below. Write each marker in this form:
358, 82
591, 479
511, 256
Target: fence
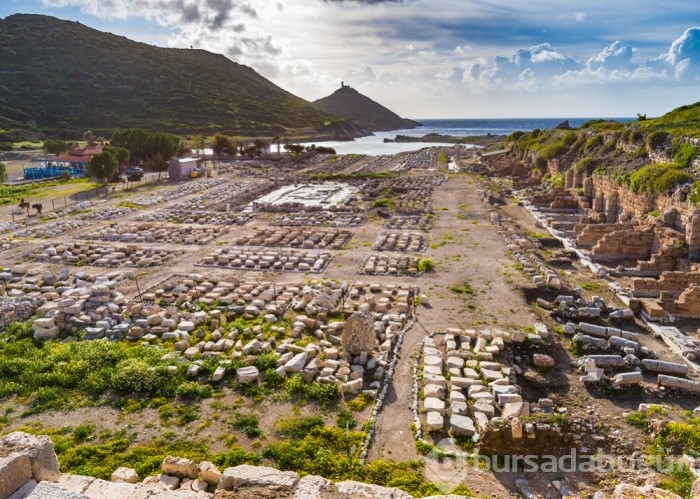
56, 204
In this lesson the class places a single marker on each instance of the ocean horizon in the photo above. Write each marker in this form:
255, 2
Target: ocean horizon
374, 145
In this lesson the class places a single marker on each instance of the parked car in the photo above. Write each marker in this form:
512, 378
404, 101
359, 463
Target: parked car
134, 174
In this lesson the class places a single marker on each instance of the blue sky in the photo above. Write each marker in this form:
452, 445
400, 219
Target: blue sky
435, 58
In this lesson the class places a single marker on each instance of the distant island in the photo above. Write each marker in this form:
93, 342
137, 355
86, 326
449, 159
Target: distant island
481, 140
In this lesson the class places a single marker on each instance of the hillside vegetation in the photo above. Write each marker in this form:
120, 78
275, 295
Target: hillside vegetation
61, 78
655, 154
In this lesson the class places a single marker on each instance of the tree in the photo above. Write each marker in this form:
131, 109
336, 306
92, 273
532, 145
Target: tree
261, 146
277, 139
3, 172
156, 163
103, 166
221, 143
120, 153
197, 144
89, 137
54, 146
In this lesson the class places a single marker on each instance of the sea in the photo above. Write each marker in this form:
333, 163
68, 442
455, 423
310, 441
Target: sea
374, 145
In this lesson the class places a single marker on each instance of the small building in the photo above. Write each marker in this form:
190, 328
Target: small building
75, 163
181, 168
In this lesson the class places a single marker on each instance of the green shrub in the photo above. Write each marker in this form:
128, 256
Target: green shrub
670, 179
683, 153
638, 419
678, 480
193, 390
635, 136
345, 419
593, 143
246, 424
297, 427
236, 456
652, 177
384, 203
360, 402
694, 195
425, 265
656, 139
586, 165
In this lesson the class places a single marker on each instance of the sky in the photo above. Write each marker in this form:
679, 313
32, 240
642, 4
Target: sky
435, 58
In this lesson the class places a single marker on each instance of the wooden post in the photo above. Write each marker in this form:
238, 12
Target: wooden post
54, 206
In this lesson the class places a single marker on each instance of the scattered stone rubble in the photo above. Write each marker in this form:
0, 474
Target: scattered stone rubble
410, 222
155, 233
53, 229
79, 253
306, 238
321, 218
29, 469
183, 189
390, 265
577, 307
202, 217
400, 241
287, 260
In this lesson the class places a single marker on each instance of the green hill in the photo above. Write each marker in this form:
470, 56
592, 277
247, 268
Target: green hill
348, 103
62, 78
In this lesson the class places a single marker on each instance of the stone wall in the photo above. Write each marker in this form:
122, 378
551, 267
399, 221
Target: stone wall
640, 204
623, 245
674, 282
29, 470
687, 304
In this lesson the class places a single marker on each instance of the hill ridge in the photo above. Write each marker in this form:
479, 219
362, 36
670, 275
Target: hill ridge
348, 103
62, 77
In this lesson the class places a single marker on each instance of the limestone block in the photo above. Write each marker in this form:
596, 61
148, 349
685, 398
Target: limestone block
218, 373
312, 487
180, 467
209, 472
247, 374
515, 410
40, 451
124, 475
257, 476
434, 404
434, 391
15, 469
354, 386
542, 360
462, 425
435, 421
50, 490
297, 363
113, 490
484, 407
357, 490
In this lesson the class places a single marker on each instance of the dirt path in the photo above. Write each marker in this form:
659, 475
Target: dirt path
464, 250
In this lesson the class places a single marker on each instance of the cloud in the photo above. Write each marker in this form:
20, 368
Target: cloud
359, 76
684, 55
616, 56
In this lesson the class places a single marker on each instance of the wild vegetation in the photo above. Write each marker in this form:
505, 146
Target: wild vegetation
108, 81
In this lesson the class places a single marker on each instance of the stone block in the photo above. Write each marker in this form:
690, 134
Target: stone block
247, 374
180, 467
15, 469
435, 421
258, 476
124, 475
462, 425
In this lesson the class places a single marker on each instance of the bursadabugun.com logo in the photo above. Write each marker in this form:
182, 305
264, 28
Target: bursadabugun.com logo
446, 466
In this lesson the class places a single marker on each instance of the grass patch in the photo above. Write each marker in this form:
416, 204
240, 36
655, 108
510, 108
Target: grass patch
462, 288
